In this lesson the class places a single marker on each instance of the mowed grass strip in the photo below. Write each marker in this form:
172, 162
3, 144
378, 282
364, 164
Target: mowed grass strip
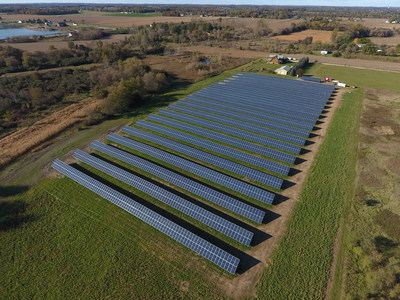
301, 263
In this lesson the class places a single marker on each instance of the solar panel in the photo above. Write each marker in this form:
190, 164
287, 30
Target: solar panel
253, 137
196, 212
183, 182
191, 167
239, 116
267, 99
277, 109
216, 148
243, 125
208, 158
244, 105
252, 112
209, 251
285, 157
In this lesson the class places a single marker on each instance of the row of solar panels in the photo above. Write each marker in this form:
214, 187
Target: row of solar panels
239, 127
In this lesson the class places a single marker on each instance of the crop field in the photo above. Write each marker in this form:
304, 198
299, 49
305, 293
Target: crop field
135, 15
389, 41
45, 45
106, 20
317, 35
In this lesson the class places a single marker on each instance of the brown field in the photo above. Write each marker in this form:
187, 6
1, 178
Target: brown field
44, 45
35, 136
356, 63
389, 41
373, 22
103, 20
318, 35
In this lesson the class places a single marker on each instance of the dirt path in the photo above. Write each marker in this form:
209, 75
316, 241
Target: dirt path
26, 139
358, 63
244, 285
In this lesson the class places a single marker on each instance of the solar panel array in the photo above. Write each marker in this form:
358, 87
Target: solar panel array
200, 214
233, 131
211, 252
234, 184
233, 141
248, 126
208, 158
184, 182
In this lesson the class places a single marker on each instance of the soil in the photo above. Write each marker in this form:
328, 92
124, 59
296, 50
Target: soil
244, 285
357, 63
317, 35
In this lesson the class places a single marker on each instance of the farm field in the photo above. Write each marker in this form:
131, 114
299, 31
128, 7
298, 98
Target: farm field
317, 35
371, 234
340, 62
45, 45
390, 41
373, 23
106, 20
359, 77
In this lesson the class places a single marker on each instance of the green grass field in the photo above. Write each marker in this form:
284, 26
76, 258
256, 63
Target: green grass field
359, 77
135, 15
301, 263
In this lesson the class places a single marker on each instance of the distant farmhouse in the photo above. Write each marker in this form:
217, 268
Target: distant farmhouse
283, 70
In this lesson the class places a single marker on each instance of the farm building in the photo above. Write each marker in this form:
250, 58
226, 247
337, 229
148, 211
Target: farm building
325, 52
277, 59
283, 70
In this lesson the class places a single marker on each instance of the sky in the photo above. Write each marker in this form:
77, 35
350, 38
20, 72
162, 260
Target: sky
376, 3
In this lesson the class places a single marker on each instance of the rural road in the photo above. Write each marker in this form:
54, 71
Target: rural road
336, 61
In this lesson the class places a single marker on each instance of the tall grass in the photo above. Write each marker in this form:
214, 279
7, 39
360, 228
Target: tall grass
301, 264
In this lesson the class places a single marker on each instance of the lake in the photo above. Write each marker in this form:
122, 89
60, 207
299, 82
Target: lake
11, 32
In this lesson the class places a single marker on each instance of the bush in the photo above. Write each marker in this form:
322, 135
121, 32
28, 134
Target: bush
336, 54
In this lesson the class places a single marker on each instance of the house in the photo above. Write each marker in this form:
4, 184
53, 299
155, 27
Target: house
325, 52
277, 59
74, 24
19, 22
341, 84
48, 23
283, 70
360, 45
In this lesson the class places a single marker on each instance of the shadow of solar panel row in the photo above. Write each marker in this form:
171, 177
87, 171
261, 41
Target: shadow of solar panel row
237, 116
241, 104
251, 112
183, 182
207, 157
310, 102
196, 212
239, 124
279, 108
252, 137
191, 167
209, 251
217, 148
219, 137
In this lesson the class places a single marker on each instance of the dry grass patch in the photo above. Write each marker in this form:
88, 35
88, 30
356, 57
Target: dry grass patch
317, 35
18, 143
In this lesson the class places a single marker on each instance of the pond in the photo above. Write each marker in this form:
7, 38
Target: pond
11, 32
